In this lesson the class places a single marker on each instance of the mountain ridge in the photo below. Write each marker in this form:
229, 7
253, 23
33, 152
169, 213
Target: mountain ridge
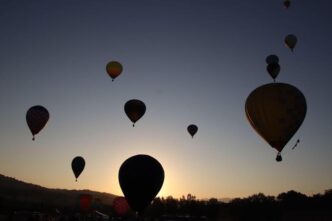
16, 192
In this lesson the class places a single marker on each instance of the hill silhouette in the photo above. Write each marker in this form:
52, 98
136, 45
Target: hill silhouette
16, 194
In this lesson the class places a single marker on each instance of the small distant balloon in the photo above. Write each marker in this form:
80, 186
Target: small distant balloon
120, 206
134, 109
141, 178
273, 69
272, 59
290, 41
37, 117
114, 69
77, 165
192, 129
287, 3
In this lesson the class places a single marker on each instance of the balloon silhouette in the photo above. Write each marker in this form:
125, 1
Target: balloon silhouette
140, 177
290, 41
134, 109
77, 165
114, 69
276, 111
287, 3
85, 202
272, 59
192, 129
273, 69
120, 206
37, 117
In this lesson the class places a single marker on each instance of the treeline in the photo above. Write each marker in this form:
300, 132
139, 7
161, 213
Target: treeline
18, 196
291, 205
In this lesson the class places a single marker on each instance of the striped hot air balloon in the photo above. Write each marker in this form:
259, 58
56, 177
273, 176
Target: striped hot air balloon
276, 111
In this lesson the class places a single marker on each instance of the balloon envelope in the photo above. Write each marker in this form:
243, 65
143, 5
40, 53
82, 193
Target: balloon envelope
134, 109
192, 129
141, 177
273, 69
37, 117
276, 111
290, 41
287, 3
85, 202
114, 69
120, 205
272, 59
78, 164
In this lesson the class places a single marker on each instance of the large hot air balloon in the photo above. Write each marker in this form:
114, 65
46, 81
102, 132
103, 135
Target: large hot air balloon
287, 3
134, 109
37, 117
276, 111
272, 58
85, 201
192, 129
114, 69
273, 69
141, 177
78, 164
290, 41
120, 206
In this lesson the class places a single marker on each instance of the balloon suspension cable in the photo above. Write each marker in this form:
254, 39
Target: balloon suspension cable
295, 145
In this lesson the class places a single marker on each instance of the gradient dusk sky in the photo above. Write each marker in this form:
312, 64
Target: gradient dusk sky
189, 61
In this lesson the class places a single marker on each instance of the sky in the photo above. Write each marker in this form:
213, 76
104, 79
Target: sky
190, 62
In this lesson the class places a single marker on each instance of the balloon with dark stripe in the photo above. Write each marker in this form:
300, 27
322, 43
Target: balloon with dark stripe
276, 111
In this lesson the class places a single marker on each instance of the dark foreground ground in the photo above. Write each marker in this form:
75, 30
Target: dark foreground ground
29, 202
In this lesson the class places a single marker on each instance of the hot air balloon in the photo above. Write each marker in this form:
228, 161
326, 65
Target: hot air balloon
276, 111
114, 69
273, 69
120, 206
140, 177
85, 201
290, 41
78, 164
272, 59
287, 3
192, 129
134, 109
37, 117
